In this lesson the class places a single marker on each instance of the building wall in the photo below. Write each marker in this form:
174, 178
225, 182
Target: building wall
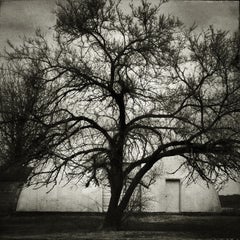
231, 188
69, 198
196, 197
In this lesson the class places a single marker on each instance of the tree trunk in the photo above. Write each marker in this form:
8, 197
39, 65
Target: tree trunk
114, 213
113, 219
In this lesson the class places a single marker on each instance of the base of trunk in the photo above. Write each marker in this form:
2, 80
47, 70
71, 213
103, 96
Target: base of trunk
112, 221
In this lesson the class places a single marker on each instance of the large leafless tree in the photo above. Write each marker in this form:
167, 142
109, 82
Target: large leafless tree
130, 88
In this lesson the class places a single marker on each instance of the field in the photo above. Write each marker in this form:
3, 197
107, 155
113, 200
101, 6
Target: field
43, 226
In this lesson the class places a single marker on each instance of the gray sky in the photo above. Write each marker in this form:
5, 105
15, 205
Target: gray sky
19, 17
22, 17
222, 14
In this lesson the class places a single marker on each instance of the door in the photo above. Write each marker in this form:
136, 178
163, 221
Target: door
172, 195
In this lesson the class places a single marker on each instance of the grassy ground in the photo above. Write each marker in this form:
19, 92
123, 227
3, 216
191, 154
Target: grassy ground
148, 226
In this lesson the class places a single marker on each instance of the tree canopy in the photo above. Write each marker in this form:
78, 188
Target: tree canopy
126, 89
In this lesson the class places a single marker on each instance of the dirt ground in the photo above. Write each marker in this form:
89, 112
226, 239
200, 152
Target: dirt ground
145, 227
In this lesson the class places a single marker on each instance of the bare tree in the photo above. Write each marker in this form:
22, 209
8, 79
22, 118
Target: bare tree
127, 90
23, 105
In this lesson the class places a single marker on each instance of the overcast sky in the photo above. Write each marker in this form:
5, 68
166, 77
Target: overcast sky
18, 17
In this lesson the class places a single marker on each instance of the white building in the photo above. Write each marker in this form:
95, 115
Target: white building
170, 193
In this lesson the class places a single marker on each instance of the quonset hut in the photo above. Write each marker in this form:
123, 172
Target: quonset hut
170, 192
